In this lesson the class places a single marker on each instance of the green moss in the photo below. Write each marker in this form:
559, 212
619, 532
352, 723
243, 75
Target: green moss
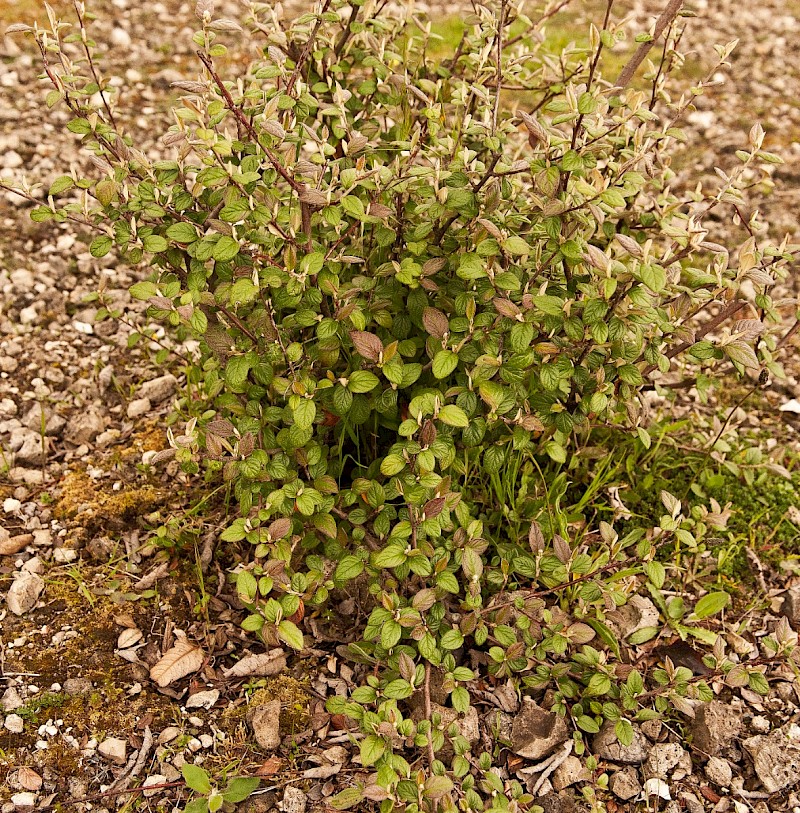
49, 700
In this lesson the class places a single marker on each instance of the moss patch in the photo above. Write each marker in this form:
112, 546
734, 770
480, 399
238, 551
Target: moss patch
295, 714
81, 496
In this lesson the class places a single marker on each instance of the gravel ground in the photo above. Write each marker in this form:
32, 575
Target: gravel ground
94, 612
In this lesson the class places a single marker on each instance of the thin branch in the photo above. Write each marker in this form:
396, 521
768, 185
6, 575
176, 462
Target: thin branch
307, 49
666, 18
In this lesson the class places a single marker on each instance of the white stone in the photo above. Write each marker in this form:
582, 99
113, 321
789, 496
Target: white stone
64, 555
25, 799
121, 38
719, 772
12, 159
24, 592
158, 389
113, 750
155, 779
139, 407
28, 315
657, 787
14, 723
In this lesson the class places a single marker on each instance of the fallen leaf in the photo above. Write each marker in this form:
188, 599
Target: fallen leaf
322, 772
270, 766
9, 545
183, 659
657, 787
29, 779
710, 794
266, 664
203, 700
147, 581
129, 637
125, 620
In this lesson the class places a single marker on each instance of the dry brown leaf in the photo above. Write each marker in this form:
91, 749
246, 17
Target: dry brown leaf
9, 545
29, 779
322, 772
128, 638
265, 665
149, 579
270, 766
183, 659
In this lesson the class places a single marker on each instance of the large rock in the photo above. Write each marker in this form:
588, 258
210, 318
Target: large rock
39, 416
663, 758
113, 750
776, 757
536, 732
791, 607
607, 746
158, 389
715, 726
85, 426
625, 784
265, 721
28, 446
24, 592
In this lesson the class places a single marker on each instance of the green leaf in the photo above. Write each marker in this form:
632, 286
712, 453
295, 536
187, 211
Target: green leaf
196, 805
654, 277
243, 291
196, 778
372, 749
347, 798
758, 683
362, 381
642, 635
711, 604
100, 246
599, 684
624, 731
143, 290
516, 245
452, 639
353, 206
630, 374
154, 243
444, 362
236, 371
588, 724
437, 786
240, 788
79, 126
348, 568
182, 233
656, 574
61, 184
606, 635
392, 464
226, 248
452, 415
391, 556
290, 634
304, 414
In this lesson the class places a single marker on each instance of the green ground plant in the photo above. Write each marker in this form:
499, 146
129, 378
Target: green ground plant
417, 306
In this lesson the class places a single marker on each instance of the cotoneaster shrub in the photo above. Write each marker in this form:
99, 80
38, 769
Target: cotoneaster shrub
416, 283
